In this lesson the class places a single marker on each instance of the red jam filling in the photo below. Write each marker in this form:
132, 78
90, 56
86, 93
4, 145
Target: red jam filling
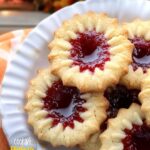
119, 97
90, 51
141, 54
63, 104
138, 138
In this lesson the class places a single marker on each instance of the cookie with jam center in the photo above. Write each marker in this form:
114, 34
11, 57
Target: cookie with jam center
128, 131
118, 97
62, 115
139, 35
90, 51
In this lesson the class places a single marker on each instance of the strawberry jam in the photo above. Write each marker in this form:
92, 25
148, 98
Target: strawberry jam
90, 51
141, 54
63, 104
138, 138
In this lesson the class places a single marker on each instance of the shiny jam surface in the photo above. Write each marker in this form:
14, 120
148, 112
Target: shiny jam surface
141, 54
138, 138
90, 51
63, 104
120, 97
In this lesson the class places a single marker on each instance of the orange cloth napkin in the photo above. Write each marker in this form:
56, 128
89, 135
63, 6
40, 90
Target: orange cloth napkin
8, 46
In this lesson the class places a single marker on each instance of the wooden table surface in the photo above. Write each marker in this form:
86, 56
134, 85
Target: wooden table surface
3, 141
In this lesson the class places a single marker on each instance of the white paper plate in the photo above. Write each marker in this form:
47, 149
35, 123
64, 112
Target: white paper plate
32, 55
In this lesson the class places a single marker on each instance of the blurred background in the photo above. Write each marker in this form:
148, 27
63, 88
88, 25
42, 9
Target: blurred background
17, 14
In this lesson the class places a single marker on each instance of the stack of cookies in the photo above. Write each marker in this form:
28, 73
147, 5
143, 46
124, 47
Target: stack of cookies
96, 92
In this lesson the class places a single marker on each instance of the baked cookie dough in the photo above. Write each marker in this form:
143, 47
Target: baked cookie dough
128, 131
62, 115
93, 143
144, 97
118, 97
139, 35
90, 51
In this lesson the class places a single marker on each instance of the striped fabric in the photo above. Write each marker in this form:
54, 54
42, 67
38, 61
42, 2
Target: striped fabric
9, 43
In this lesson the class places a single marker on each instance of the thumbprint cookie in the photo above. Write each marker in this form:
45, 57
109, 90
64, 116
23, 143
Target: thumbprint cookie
139, 35
62, 115
90, 51
128, 131
118, 97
